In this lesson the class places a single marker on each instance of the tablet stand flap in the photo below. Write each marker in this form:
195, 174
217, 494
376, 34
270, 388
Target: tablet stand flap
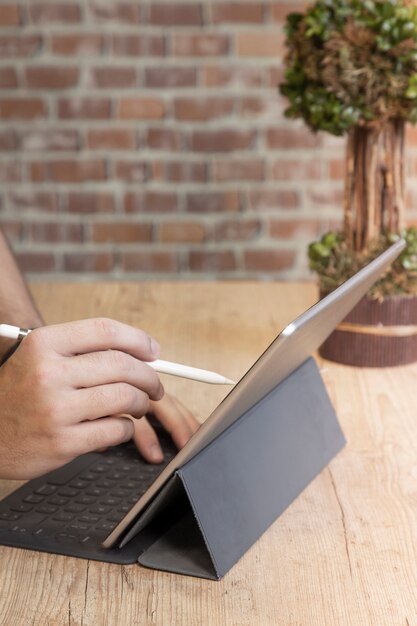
240, 483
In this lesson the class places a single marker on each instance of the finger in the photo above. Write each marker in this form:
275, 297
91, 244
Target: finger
103, 400
147, 442
173, 420
96, 334
100, 433
113, 366
190, 418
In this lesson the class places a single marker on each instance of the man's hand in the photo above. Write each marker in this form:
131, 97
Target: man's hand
65, 389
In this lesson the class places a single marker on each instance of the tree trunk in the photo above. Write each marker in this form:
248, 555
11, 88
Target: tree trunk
374, 193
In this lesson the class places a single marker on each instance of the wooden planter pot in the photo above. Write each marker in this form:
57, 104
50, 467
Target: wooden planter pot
376, 334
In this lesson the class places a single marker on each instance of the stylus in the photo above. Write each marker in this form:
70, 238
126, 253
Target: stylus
163, 367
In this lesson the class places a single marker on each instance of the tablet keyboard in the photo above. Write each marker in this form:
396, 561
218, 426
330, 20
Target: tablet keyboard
71, 510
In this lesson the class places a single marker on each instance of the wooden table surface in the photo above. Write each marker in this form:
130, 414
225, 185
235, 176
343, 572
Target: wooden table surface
344, 553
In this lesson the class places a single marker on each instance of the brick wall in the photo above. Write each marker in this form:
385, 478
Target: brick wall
147, 140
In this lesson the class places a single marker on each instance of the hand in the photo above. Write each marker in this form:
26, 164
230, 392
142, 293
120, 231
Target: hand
63, 390
176, 419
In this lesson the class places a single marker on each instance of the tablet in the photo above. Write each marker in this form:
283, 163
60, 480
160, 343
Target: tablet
296, 342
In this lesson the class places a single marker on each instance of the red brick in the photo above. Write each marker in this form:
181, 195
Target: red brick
38, 172
180, 171
17, 46
10, 172
45, 13
268, 260
12, 230
49, 140
213, 202
236, 76
237, 230
150, 262
253, 169
160, 77
84, 202
226, 140
182, 232
212, 261
202, 45
132, 171
76, 171
291, 229
9, 15
121, 232
260, 44
337, 169
55, 232
273, 199
36, 261
89, 262
174, 15
77, 44
8, 78
237, 12
33, 201
138, 45
113, 77
286, 169
202, 109
280, 10
151, 202
163, 139
22, 108
256, 106
287, 138
51, 77
84, 108
111, 139
140, 108
320, 197
8, 140
128, 12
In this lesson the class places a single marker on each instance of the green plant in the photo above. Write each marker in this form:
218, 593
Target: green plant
352, 62
335, 261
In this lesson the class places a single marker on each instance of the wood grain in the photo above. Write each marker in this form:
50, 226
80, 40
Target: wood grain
344, 553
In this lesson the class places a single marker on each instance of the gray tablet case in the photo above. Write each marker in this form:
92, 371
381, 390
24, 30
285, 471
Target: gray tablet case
221, 501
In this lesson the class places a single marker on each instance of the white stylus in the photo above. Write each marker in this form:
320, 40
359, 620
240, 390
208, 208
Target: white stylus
163, 367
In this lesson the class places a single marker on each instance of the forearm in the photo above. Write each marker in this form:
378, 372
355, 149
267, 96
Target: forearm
16, 304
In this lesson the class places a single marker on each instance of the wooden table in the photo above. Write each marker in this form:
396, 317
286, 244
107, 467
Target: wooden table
344, 553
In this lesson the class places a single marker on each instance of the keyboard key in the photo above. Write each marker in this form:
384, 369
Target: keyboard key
74, 508
114, 517
82, 499
66, 538
88, 476
100, 510
62, 516
106, 483
93, 491
46, 490
47, 509
68, 492
106, 526
110, 501
100, 469
10, 516
88, 519
21, 507
57, 500
33, 498
78, 484
77, 528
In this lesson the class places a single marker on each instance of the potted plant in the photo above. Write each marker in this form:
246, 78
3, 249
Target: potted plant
351, 68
